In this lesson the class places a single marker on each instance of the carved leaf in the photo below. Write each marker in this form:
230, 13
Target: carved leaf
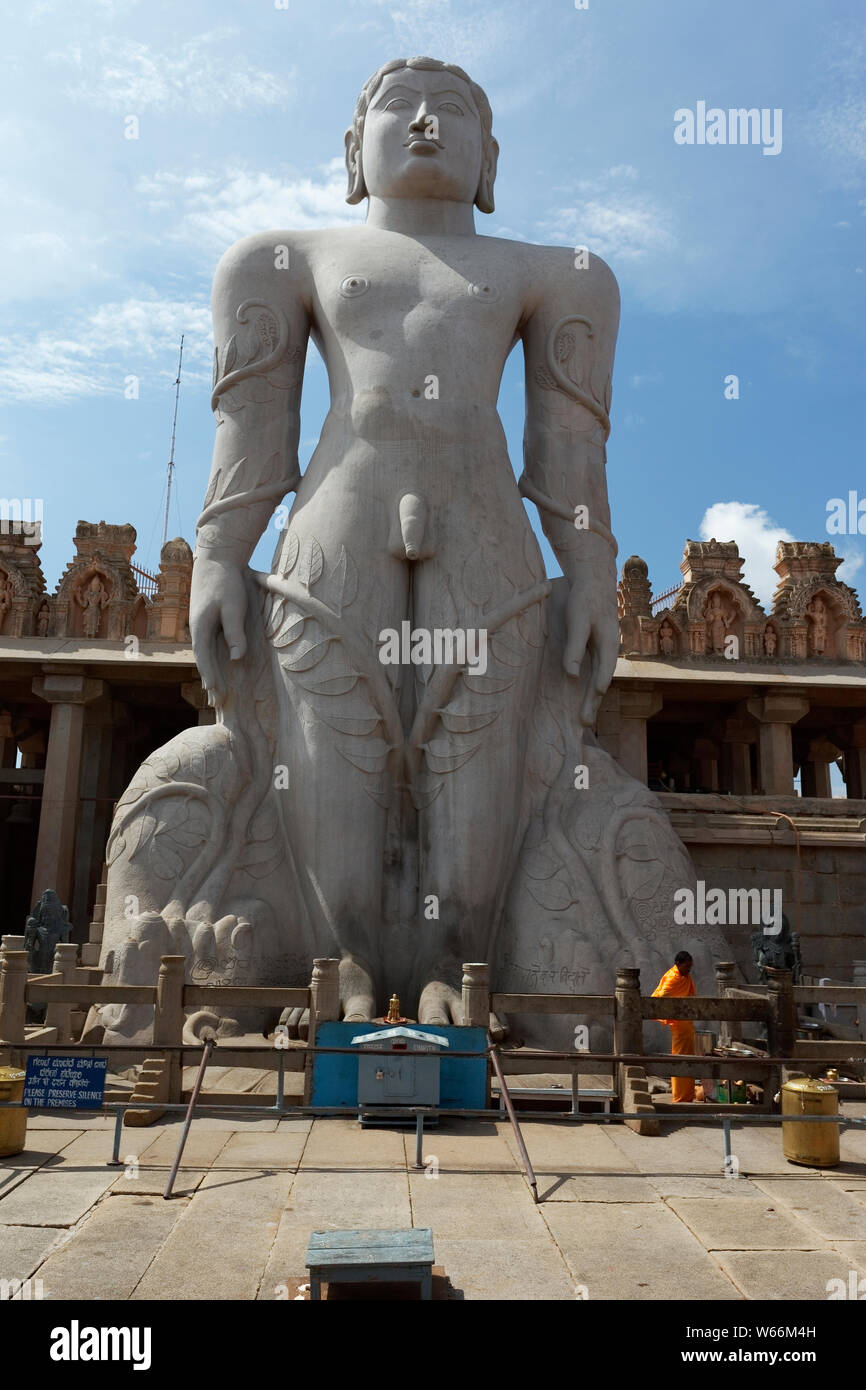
477, 579
234, 476
370, 757
312, 564
538, 864
290, 632
380, 792
274, 614
506, 652
487, 685
164, 861
440, 760
231, 356
346, 581
422, 799
530, 628
261, 861
308, 658
290, 554
467, 723
357, 727
211, 490
332, 685
552, 894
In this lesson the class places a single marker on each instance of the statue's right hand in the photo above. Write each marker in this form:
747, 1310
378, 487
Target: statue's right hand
217, 604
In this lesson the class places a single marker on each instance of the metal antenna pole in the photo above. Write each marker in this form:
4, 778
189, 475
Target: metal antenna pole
171, 451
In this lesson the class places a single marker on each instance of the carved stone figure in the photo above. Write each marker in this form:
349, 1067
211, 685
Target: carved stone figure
770, 640
404, 812
92, 598
43, 618
817, 611
719, 619
780, 952
47, 925
666, 639
7, 593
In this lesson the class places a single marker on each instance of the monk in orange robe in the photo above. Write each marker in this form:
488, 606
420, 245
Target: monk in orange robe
679, 984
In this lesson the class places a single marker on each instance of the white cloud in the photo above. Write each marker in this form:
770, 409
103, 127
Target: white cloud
126, 75
614, 218
756, 534
215, 209
479, 32
92, 357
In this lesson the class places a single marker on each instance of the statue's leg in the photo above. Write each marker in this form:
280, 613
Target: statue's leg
470, 777
341, 737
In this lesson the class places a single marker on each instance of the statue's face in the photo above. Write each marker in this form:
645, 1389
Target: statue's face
422, 138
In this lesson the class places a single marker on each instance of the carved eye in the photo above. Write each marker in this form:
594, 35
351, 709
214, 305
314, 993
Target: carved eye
354, 285
451, 106
396, 104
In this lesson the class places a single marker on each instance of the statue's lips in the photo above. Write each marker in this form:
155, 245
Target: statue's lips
421, 145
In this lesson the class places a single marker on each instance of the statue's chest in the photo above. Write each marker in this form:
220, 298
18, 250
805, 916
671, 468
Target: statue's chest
366, 300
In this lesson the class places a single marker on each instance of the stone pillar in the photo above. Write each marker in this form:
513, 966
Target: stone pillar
782, 1027
858, 976
706, 755
59, 1016
635, 708
816, 769
476, 995
739, 735
12, 943
324, 1008
94, 814
627, 1020
775, 714
193, 693
726, 972
168, 1019
855, 762
67, 694
324, 992
13, 1004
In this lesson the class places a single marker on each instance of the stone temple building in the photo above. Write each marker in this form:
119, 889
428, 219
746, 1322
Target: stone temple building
750, 725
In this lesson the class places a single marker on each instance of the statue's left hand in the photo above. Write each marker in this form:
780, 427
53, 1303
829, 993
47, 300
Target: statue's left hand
592, 627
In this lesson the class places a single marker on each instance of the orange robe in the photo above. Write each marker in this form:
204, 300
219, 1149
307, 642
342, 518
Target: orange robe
682, 1030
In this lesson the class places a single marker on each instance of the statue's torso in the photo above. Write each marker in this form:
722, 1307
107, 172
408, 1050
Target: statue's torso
415, 336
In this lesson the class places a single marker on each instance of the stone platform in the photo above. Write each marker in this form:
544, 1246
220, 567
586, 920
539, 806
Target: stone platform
621, 1217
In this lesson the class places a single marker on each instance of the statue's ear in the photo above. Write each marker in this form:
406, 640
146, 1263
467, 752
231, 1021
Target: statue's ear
357, 191
490, 158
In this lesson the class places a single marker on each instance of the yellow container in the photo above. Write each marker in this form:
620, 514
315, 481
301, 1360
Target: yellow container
13, 1123
815, 1145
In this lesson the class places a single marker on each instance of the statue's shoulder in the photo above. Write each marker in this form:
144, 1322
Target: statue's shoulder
570, 275
262, 253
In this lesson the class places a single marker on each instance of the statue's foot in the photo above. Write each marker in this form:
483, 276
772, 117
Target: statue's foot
443, 1005
440, 1003
357, 992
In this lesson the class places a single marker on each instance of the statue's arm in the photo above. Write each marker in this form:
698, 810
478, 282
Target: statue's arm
261, 329
569, 340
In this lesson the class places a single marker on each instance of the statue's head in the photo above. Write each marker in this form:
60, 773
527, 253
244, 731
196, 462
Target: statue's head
422, 129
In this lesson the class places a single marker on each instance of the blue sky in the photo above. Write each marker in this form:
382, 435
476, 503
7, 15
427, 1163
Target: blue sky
729, 261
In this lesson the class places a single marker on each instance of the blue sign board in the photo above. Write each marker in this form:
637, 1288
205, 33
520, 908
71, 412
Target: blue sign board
462, 1080
65, 1083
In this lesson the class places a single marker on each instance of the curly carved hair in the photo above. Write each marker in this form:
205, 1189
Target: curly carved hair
357, 191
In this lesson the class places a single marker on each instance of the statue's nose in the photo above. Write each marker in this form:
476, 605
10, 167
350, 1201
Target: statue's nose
419, 121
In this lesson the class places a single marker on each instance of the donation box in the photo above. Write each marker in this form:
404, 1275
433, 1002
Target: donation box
408, 1075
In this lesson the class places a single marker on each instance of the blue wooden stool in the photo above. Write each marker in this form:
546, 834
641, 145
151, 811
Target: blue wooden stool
371, 1257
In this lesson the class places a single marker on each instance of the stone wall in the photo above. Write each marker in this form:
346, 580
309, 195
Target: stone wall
735, 843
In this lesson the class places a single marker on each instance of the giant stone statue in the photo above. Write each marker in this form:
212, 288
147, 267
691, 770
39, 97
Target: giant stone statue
403, 772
